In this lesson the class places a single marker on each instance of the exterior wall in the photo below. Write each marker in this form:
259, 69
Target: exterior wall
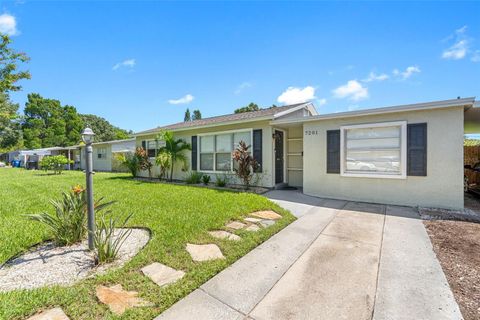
265, 178
442, 187
98, 164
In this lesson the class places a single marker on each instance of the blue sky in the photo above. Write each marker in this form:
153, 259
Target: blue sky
141, 64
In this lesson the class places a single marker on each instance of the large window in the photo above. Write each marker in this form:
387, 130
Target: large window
215, 150
374, 150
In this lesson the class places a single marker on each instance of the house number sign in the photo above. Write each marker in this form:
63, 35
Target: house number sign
311, 132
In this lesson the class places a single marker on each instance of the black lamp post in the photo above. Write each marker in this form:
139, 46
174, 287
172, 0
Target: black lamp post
87, 137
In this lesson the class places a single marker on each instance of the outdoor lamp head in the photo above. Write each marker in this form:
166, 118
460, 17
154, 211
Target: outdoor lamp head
87, 135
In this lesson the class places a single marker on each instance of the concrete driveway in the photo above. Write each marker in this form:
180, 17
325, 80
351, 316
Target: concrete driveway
339, 260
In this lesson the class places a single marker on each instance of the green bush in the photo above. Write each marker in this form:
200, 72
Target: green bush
194, 177
54, 163
68, 222
130, 161
221, 180
109, 238
205, 179
163, 161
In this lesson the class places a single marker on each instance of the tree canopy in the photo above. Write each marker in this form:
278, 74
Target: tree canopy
9, 62
187, 117
197, 115
248, 108
104, 130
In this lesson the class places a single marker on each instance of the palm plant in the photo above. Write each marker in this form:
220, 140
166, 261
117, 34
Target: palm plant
175, 148
130, 161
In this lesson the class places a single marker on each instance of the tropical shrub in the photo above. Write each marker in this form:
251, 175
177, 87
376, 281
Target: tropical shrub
221, 180
130, 161
246, 165
163, 161
69, 220
194, 177
144, 162
54, 163
175, 148
109, 237
205, 179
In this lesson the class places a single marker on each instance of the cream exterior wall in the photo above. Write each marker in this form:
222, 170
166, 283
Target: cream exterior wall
265, 178
98, 164
442, 187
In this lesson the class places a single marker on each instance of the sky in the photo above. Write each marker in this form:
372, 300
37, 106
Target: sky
141, 64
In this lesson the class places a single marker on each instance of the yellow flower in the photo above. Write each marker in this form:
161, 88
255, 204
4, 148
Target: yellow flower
78, 189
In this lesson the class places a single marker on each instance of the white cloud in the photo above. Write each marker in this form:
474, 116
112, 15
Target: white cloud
460, 48
129, 63
183, 100
322, 102
242, 86
407, 73
8, 24
296, 95
352, 90
372, 76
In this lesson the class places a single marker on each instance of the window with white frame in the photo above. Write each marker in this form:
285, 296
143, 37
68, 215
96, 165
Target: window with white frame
101, 153
215, 150
374, 150
151, 146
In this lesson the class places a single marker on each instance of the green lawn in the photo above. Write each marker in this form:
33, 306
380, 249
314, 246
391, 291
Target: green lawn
175, 215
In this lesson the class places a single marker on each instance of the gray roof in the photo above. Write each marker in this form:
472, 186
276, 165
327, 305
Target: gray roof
245, 116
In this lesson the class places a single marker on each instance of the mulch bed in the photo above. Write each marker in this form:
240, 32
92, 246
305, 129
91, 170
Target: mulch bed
457, 245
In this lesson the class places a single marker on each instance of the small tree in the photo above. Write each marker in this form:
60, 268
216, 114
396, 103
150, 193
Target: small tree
197, 115
54, 163
164, 161
175, 148
187, 118
246, 164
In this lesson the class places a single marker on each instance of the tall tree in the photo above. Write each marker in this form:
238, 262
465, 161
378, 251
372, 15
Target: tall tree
73, 125
249, 108
187, 118
197, 115
9, 62
104, 130
10, 130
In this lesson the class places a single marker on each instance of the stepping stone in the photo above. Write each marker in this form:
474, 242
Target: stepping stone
253, 228
51, 314
162, 274
236, 225
267, 223
119, 300
270, 215
220, 234
253, 220
204, 252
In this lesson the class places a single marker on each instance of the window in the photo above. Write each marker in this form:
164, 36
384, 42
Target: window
151, 148
374, 150
215, 151
101, 153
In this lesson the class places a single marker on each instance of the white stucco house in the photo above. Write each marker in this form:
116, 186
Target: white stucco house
104, 154
407, 154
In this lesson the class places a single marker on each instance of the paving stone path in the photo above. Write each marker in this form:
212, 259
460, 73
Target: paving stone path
220, 234
236, 225
51, 314
270, 215
204, 252
161, 274
119, 300
252, 228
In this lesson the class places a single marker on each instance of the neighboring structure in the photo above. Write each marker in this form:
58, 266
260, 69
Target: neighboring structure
30, 159
409, 154
104, 154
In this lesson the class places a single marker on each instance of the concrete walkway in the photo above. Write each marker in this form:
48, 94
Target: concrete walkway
339, 260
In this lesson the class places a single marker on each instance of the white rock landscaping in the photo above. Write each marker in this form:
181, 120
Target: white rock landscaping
220, 234
204, 252
48, 265
161, 274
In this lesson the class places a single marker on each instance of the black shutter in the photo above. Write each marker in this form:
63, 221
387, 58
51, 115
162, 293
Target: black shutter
257, 148
417, 149
333, 151
144, 145
194, 153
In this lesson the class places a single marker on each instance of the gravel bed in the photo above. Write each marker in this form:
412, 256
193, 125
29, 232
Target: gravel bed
47, 264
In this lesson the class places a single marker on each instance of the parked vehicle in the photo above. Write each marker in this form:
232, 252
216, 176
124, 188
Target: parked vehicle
2, 164
471, 178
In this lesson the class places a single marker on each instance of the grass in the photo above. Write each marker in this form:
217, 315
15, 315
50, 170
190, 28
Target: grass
175, 215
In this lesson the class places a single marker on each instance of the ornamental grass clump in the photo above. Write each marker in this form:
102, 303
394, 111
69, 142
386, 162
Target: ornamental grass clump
109, 237
68, 223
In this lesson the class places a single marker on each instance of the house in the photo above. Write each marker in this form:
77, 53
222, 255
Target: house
408, 154
30, 159
104, 154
